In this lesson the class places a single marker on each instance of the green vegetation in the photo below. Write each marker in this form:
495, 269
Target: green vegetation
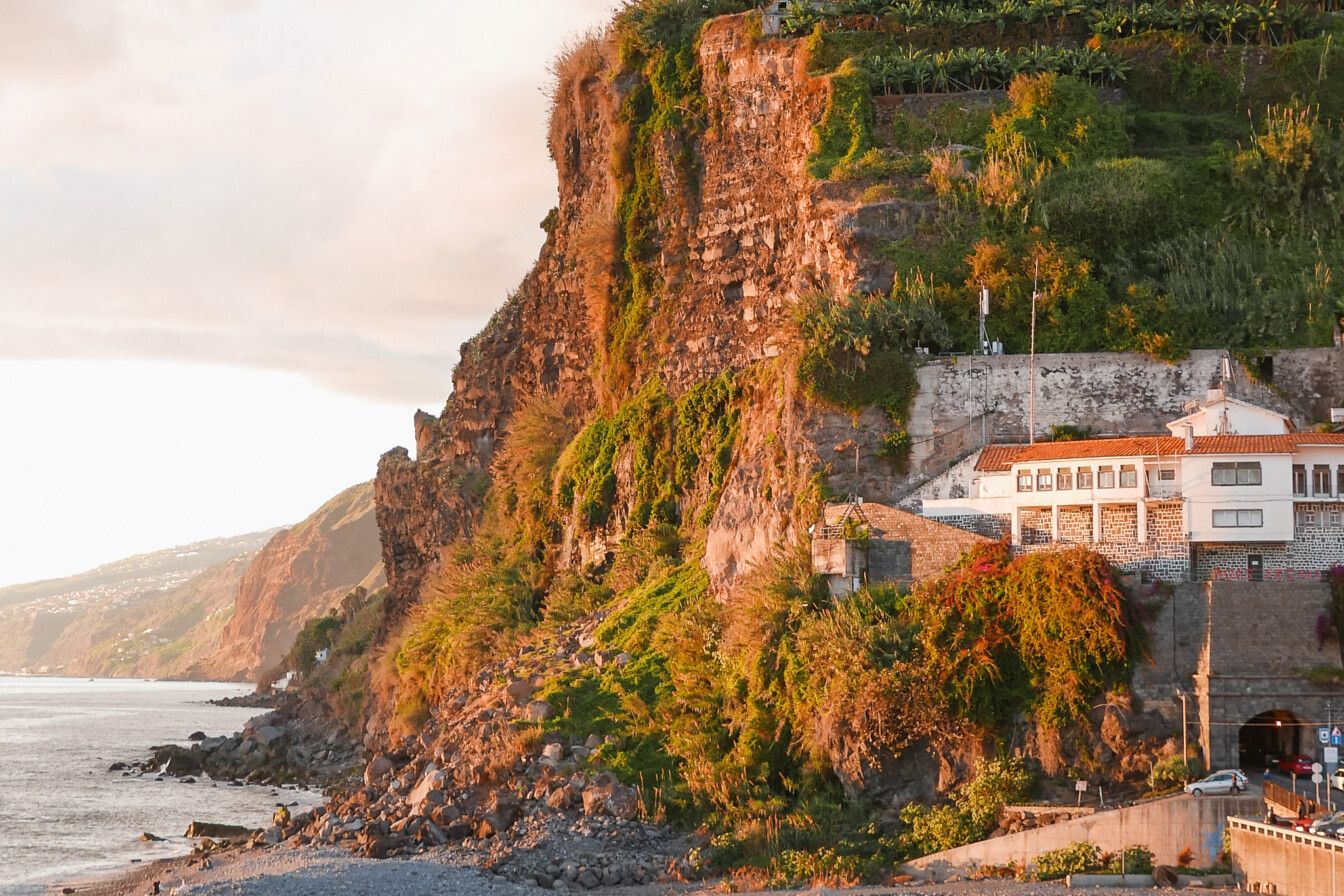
845, 133
347, 633
972, 813
668, 442
1085, 858
751, 718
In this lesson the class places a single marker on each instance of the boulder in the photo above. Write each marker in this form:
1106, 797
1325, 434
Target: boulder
520, 690
433, 779
196, 735
266, 735
216, 831
378, 770
623, 802
559, 799
595, 800
539, 711
552, 753
500, 814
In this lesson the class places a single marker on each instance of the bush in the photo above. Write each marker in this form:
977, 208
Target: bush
1058, 119
1076, 858
1173, 771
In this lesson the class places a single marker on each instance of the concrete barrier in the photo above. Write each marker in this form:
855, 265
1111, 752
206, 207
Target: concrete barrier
1272, 859
1166, 826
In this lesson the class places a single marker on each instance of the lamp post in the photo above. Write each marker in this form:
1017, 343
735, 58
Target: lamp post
1185, 748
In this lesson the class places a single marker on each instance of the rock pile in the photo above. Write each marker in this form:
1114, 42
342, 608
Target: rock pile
281, 747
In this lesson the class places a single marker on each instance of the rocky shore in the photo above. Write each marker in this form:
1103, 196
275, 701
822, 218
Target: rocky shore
286, 746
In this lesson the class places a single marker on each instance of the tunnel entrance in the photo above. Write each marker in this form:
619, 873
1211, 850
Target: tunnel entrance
1271, 734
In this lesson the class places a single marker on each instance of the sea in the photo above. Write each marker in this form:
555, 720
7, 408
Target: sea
64, 816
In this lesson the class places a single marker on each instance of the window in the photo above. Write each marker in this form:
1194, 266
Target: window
1024, 481
1307, 515
1340, 490
1241, 473
1044, 481
1320, 481
1334, 514
1085, 477
1238, 519
1064, 479
1105, 477
1299, 480
1129, 477
1166, 475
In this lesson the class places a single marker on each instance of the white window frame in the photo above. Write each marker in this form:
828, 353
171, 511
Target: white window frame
1245, 472
1240, 518
1086, 478
1129, 477
1027, 478
1045, 481
1064, 479
1103, 474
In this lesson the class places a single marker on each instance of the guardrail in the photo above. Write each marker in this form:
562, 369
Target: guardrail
1277, 793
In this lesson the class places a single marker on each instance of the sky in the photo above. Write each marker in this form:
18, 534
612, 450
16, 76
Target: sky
241, 242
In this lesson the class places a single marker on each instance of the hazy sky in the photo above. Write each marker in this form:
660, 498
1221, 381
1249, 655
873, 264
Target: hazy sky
240, 242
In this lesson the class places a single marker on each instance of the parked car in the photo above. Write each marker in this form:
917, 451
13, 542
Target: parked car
1302, 825
1328, 825
1299, 764
1227, 781
1337, 779
1272, 760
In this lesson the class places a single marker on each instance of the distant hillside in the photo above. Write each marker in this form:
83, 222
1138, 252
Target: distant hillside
218, 609
303, 572
123, 579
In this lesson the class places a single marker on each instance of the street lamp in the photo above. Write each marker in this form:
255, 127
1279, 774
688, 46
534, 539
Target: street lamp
1185, 749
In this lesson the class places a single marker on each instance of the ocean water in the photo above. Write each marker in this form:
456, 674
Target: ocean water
64, 816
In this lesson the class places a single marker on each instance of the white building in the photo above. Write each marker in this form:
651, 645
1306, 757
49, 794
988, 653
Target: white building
1233, 491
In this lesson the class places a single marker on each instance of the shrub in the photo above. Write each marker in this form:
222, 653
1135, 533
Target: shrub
1058, 119
929, 830
1173, 771
1076, 858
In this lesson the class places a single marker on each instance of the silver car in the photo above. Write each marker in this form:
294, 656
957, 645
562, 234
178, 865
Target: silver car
1329, 826
1226, 781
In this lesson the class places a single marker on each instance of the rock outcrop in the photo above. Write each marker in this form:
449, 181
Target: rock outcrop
737, 248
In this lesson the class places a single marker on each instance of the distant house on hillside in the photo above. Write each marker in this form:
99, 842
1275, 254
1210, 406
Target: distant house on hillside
1234, 491
859, 543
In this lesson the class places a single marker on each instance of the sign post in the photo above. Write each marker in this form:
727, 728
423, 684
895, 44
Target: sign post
1080, 787
1316, 779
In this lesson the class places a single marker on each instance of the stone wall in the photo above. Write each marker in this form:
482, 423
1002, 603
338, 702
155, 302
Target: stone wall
1261, 641
1315, 549
933, 545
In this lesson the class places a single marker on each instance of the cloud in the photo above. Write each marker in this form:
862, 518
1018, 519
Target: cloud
344, 189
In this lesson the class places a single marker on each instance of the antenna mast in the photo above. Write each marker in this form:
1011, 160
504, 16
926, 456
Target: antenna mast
984, 314
1031, 363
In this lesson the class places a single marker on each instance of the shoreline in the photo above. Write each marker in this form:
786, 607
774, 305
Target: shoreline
309, 871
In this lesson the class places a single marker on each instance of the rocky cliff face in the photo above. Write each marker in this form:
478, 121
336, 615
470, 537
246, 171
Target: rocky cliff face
301, 573
738, 244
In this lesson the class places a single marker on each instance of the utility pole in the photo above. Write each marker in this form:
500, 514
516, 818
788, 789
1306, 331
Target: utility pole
1031, 364
1184, 746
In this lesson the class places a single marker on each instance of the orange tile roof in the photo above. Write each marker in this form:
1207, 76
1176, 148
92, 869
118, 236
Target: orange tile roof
998, 458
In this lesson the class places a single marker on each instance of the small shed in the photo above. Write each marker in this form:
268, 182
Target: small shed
858, 543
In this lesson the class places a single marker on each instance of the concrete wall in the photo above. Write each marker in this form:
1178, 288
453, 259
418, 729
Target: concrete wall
1165, 826
1278, 860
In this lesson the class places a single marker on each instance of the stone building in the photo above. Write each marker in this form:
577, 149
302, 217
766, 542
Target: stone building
1232, 491
858, 543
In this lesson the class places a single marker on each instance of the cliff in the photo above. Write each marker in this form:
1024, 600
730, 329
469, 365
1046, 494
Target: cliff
736, 249
301, 573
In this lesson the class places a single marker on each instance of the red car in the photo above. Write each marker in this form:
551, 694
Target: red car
1295, 765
